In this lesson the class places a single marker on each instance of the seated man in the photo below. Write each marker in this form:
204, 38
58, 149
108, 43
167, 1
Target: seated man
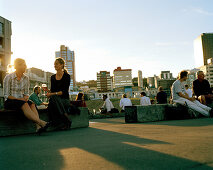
34, 97
107, 106
144, 100
161, 96
180, 96
201, 89
125, 102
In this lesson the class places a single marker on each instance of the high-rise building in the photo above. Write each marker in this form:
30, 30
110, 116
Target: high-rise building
122, 77
5, 47
104, 82
140, 79
203, 49
69, 57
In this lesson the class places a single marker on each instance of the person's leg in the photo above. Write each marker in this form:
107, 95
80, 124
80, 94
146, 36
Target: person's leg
192, 105
202, 106
195, 105
34, 110
31, 115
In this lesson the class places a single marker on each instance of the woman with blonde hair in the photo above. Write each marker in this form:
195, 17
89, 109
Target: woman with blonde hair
58, 95
16, 94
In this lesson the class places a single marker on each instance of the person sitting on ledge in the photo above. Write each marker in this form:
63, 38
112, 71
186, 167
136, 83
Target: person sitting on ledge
188, 90
125, 102
34, 97
180, 96
80, 100
202, 90
58, 95
144, 101
107, 106
16, 94
161, 96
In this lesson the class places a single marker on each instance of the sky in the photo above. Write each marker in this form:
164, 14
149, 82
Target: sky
151, 36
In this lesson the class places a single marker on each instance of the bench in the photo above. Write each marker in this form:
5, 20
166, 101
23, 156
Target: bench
14, 123
158, 112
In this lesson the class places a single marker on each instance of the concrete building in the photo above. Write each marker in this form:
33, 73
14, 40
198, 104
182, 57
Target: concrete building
69, 57
38, 77
151, 81
203, 48
191, 76
104, 81
165, 75
5, 47
208, 71
122, 77
140, 79
165, 79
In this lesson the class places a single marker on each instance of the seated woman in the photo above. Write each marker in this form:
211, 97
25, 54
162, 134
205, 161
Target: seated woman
79, 101
16, 94
59, 96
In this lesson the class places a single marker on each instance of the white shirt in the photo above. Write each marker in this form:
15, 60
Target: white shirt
189, 92
108, 105
145, 101
125, 102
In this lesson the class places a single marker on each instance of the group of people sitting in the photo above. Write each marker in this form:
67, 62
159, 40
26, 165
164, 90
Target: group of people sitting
125, 101
198, 98
16, 94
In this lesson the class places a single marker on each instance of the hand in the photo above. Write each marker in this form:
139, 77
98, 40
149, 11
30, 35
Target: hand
48, 95
26, 98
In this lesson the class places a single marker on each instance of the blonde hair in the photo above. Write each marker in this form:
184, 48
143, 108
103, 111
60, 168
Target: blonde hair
62, 62
18, 61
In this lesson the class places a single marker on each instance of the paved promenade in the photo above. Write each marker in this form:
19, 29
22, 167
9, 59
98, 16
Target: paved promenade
112, 144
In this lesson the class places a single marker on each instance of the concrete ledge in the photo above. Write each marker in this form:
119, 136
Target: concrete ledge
14, 123
158, 112
108, 115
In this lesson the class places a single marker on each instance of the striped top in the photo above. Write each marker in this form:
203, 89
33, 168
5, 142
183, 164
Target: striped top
14, 87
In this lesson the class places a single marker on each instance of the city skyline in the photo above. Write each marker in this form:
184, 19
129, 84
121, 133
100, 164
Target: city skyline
149, 36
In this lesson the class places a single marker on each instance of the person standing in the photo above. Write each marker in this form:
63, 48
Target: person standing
180, 96
16, 94
58, 95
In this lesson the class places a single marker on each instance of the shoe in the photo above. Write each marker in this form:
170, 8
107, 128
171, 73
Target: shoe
43, 129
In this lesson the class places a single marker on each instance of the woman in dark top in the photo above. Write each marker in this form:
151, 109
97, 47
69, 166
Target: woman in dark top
59, 96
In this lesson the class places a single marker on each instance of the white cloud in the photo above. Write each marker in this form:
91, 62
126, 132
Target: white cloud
198, 11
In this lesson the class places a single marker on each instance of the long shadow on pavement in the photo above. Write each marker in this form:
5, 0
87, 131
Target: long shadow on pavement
44, 152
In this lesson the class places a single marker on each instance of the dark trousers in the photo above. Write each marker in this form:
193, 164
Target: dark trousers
57, 107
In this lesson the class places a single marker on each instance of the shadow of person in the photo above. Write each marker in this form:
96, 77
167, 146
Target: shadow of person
88, 148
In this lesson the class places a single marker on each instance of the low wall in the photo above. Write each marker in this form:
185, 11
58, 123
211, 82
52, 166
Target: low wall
14, 123
158, 112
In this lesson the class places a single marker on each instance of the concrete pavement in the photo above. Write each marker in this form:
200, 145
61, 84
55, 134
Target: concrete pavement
112, 144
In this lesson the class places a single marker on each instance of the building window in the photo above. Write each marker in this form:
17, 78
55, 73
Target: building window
1, 28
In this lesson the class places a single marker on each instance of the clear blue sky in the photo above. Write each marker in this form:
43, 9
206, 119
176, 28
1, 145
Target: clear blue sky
151, 36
